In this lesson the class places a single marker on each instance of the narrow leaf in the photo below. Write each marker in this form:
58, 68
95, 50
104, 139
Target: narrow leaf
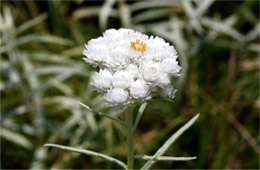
88, 152
15, 138
102, 114
44, 39
164, 158
169, 142
221, 27
60, 77
31, 23
105, 13
86, 12
139, 115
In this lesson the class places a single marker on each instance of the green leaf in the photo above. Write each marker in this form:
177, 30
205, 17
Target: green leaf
102, 114
104, 14
44, 39
152, 4
221, 27
88, 152
31, 23
86, 12
15, 138
139, 115
57, 78
151, 15
169, 142
164, 158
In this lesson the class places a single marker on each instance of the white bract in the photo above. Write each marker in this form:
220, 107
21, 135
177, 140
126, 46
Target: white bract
133, 66
102, 80
117, 96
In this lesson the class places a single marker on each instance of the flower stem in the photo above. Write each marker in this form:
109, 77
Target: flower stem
130, 142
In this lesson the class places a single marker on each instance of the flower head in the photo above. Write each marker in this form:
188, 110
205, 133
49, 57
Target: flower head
138, 46
132, 66
102, 80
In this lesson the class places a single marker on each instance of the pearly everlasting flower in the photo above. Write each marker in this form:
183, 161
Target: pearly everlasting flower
164, 80
151, 71
133, 66
102, 80
117, 96
139, 89
170, 66
122, 79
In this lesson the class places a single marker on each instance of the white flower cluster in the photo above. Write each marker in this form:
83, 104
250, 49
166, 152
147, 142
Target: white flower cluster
132, 65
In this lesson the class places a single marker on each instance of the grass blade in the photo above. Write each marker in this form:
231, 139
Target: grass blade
87, 12
39, 158
88, 152
102, 114
31, 23
105, 13
139, 115
44, 39
169, 142
36, 98
164, 158
61, 77
151, 15
220, 27
125, 14
153, 3
204, 5
16, 138
190, 11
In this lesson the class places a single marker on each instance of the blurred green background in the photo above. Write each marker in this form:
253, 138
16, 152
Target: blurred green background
43, 76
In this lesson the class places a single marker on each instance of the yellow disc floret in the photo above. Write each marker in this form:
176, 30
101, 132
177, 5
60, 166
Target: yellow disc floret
138, 46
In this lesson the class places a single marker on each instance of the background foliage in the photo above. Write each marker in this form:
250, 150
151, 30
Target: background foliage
43, 76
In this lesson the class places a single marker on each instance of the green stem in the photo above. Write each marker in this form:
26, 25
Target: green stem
130, 142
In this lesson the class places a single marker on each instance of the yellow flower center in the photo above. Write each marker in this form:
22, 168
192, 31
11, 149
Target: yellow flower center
138, 46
